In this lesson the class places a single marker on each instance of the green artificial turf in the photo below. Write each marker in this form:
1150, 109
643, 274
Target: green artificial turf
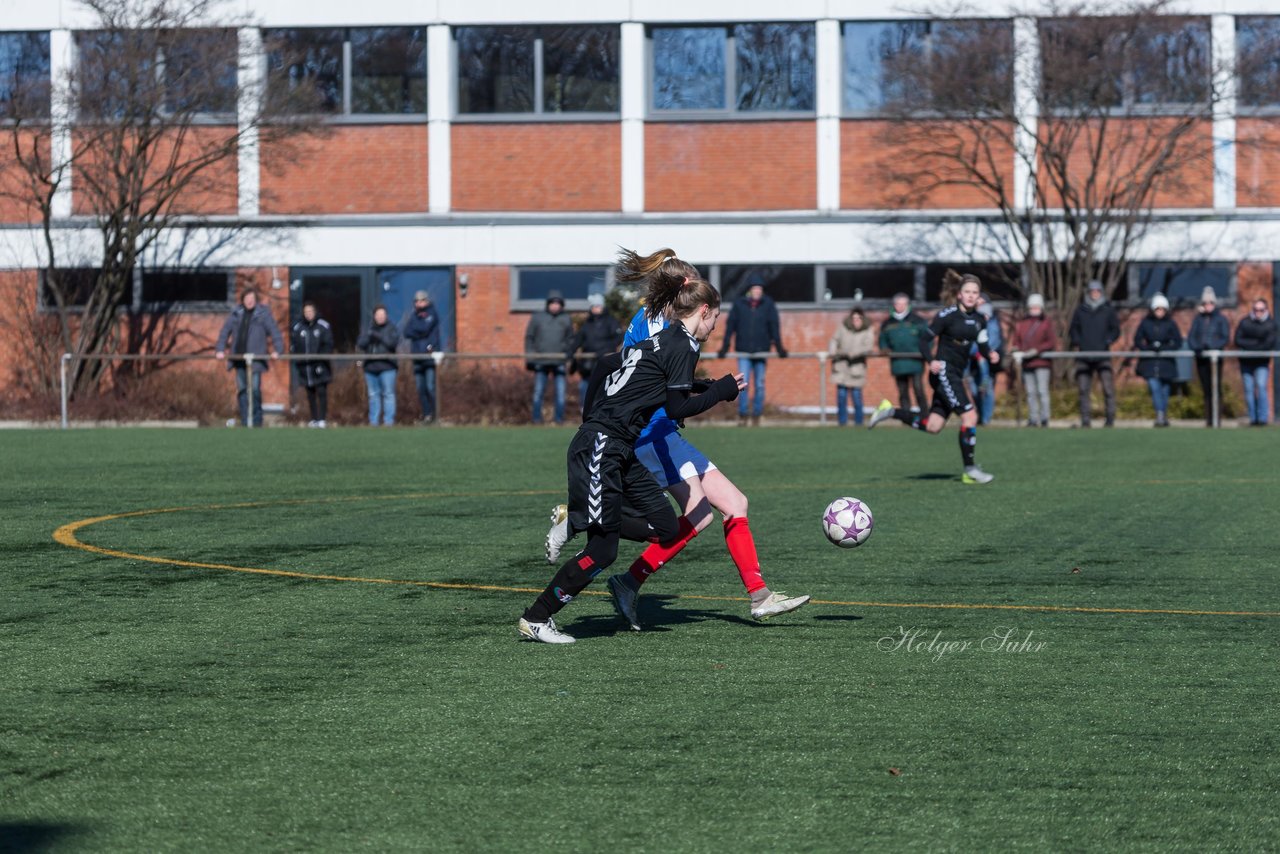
154, 707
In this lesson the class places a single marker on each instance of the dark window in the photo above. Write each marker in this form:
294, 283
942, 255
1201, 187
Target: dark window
1118, 63
24, 74
575, 284
200, 70
389, 70
1000, 282
1181, 283
756, 67
782, 282
307, 71
1258, 60
870, 283
551, 69
77, 284
175, 286
928, 66
131, 74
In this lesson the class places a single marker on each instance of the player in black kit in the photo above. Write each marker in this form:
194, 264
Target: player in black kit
603, 467
957, 329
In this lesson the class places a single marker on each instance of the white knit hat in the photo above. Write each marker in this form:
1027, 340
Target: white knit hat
1159, 301
1035, 301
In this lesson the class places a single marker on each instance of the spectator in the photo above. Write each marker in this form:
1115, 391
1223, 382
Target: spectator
1157, 332
1095, 327
982, 372
546, 340
1257, 332
900, 336
599, 335
1209, 331
849, 348
312, 336
1033, 336
380, 341
753, 327
246, 330
422, 329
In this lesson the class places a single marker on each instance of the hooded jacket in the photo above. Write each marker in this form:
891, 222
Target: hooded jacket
1255, 334
849, 350
755, 328
308, 338
903, 335
1163, 336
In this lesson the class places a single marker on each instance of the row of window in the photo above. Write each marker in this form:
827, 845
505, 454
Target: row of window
748, 68
794, 284
803, 285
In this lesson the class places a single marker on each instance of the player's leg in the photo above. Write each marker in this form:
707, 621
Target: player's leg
968, 442
596, 465
647, 499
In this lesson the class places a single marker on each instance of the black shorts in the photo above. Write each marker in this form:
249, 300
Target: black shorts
606, 481
949, 393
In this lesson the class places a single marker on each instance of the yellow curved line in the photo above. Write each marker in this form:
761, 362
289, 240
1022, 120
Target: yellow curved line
66, 535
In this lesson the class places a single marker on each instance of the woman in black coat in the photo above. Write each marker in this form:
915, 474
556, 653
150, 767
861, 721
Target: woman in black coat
312, 335
1159, 333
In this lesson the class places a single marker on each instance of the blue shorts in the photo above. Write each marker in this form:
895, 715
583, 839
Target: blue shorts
673, 459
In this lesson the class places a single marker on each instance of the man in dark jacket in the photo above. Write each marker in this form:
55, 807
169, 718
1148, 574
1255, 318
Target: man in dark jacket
599, 334
1257, 332
1095, 327
546, 340
247, 330
753, 323
901, 334
423, 331
1209, 331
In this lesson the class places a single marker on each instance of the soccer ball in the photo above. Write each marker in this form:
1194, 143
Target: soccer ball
847, 522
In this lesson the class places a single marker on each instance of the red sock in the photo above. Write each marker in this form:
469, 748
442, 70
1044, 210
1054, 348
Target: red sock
742, 547
652, 558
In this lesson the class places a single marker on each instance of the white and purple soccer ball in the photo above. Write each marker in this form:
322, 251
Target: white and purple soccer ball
847, 522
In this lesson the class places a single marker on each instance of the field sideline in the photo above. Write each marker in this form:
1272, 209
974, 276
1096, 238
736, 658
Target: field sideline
305, 640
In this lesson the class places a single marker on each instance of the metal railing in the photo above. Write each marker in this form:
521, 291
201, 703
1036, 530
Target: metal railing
823, 358
1215, 358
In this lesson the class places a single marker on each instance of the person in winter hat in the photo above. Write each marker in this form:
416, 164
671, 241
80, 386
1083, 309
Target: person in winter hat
1209, 331
1032, 336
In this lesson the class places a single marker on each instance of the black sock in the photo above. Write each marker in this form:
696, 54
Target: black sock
968, 438
914, 420
569, 581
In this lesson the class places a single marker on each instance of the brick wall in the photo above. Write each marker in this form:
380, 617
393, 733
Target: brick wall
537, 167
211, 189
1257, 161
884, 165
348, 169
13, 180
730, 166
484, 320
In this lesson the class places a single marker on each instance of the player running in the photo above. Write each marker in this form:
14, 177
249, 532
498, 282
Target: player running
602, 460
957, 329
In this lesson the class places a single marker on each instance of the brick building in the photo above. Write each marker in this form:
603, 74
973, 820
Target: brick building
492, 151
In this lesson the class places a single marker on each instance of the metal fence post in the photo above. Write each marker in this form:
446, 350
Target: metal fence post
1016, 382
62, 370
1213, 383
438, 358
248, 390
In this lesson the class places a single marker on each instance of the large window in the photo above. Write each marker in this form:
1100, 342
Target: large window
751, 68
1258, 60
169, 287
24, 74
877, 284
367, 71
541, 70
782, 282
1160, 63
530, 286
129, 73
927, 66
1181, 283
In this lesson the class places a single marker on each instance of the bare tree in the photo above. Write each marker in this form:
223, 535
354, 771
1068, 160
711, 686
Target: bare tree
1110, 114
159, 101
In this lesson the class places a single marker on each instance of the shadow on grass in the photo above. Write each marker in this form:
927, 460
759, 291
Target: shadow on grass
28, 837
660, 613
932, 476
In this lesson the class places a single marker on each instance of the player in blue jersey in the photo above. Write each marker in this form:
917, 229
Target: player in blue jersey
693, 480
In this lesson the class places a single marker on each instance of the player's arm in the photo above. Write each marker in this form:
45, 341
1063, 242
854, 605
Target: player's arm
682, 403
605, 365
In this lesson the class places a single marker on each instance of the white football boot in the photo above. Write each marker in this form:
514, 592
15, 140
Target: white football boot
559, 533
544, 632
777, 603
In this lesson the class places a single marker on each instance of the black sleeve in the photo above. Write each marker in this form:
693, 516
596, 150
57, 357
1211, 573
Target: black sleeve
605, 365
682, 404
927, 334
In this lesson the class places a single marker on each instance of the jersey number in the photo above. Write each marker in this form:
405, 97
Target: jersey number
619, 378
